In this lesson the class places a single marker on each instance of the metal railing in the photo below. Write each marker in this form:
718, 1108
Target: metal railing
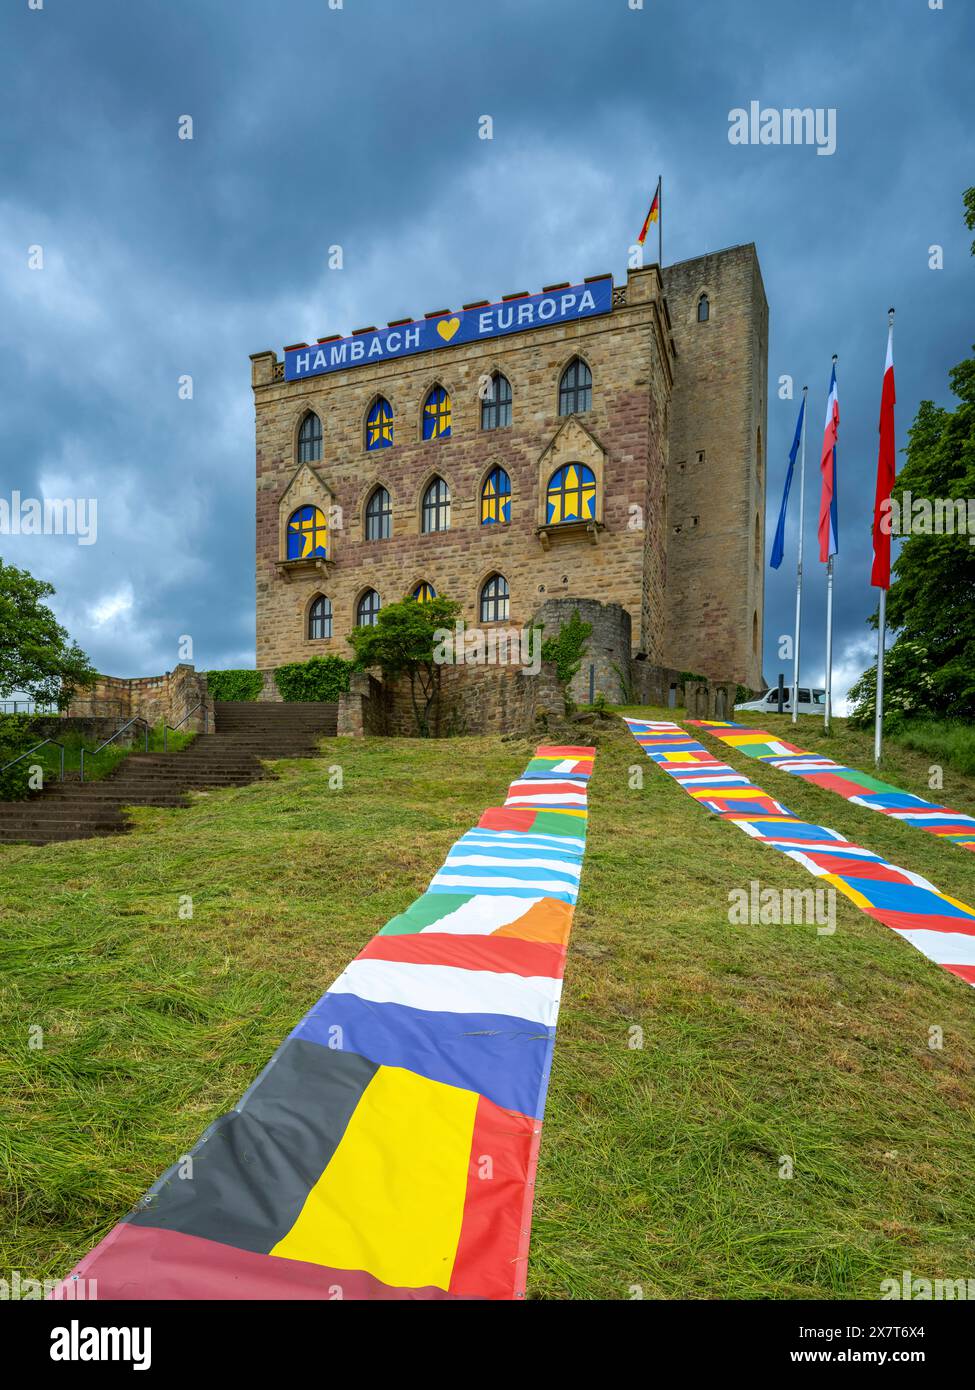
111, 739
28, 707
21, 756
173, 728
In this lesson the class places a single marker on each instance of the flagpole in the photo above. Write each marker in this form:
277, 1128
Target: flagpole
829, 641
660, 222
878, 731
829, 627
802, 480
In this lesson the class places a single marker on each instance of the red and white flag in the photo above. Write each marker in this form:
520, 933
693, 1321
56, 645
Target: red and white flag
829, 539
886, 472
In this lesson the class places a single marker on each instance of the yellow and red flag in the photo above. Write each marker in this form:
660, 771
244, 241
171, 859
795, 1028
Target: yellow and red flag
652, 216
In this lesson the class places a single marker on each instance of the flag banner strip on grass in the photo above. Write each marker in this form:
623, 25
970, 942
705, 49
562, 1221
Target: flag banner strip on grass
388, 1149
861, 788
938, 926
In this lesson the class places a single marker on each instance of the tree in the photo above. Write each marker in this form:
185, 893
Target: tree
401, 642
931, 602
37, 657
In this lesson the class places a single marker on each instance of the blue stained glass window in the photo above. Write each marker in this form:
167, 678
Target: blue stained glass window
307, 534
437, 415
571, 494
379, 425
496, 498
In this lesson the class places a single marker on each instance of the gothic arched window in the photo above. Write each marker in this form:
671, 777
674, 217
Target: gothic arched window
575, 388
367, 609
310, 439
703, 309
496, 498
436, 414
494, 599
571, 495
379, 516
379, 425
496, 405
307, 534
424, 592
320, 618
436, 507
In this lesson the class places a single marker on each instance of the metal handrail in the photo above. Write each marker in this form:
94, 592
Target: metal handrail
30, 706
59, 746
137, 720
167, 728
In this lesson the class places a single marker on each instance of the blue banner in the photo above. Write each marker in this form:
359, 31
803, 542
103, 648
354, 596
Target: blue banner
466, 326
778, 543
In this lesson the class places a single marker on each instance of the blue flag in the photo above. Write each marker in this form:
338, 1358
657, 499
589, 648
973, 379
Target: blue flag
778, 544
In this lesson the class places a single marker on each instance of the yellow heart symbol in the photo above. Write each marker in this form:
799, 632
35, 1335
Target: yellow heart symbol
447, 328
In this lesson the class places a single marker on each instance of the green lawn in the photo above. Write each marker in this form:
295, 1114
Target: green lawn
659, 1165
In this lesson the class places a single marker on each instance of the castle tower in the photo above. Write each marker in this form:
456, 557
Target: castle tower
716, 471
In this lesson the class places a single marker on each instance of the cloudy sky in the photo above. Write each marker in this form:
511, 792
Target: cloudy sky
358, 125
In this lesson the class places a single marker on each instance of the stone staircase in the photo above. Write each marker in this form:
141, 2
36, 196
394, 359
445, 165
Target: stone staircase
246, 732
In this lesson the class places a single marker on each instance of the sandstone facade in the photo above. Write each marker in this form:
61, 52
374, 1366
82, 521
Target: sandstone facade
677, 406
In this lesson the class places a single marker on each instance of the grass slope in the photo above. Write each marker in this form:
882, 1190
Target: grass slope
660, 1165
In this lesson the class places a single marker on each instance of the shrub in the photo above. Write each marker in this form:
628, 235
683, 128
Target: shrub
566, 650
15, 737
909, 687
319, 678
234, 685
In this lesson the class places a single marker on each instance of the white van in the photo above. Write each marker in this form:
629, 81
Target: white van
810, 701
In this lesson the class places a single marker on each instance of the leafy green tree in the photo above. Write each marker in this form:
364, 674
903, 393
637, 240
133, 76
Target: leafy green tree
931, 601
36, 655
402, 642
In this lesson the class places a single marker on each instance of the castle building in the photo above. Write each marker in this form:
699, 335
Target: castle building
591, 441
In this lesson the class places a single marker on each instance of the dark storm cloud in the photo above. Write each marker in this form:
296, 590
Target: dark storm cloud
358, 126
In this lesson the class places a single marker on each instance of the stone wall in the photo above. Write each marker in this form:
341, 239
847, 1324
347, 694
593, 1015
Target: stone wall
93, 729
364, 707
157, 699
710, 699
473, 700
716, 472
655, 685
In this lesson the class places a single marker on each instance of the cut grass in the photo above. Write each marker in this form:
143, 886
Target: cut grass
660, 1164
946, 742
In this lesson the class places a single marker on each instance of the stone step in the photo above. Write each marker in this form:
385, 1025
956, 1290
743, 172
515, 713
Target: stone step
248, 736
